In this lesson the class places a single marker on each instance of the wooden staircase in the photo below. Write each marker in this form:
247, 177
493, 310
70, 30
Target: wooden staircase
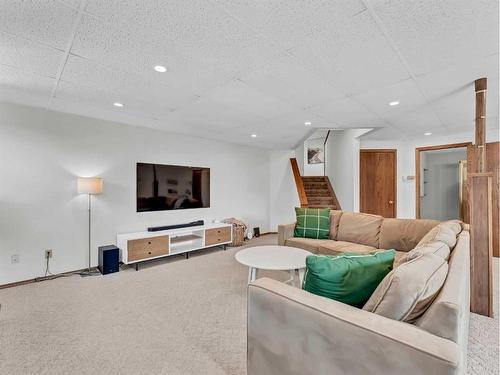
314, 191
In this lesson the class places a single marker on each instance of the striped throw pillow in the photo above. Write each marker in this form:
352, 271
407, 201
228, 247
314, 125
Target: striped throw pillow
312, 223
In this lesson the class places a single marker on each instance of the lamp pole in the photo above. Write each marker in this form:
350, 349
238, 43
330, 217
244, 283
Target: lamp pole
89, 186
90, 226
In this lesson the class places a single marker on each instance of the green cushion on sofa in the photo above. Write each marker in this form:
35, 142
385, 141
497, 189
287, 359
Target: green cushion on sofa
312, 223
348, 278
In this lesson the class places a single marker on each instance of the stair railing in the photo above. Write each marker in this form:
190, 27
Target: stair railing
324, 152
299, 183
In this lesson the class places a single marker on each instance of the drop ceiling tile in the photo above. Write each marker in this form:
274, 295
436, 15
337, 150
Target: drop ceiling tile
286, 78
216, 114
138, 54
47, 22
289, 23
103, 98
88, 73
458, 76
93, 110
208, 34
24, 87
416, 122
239, 95
29, 56
355, 57
406, 92
433, 34
459, 106
348, 113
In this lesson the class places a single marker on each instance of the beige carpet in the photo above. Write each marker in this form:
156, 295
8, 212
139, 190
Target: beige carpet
174, 316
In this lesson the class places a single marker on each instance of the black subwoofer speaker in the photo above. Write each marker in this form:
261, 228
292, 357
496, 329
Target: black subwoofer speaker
109, 259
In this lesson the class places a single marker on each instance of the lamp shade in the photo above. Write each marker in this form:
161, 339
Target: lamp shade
89, 185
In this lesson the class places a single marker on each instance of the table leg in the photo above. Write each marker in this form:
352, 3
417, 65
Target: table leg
252, 274
301, 272
291, 280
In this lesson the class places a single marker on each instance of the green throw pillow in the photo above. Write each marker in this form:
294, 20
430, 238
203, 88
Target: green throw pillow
348, 278
312, 223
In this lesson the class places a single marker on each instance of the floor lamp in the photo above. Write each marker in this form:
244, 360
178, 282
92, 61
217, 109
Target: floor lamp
90, 186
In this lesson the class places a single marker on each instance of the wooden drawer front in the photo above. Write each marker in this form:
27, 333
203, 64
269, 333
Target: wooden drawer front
217, 235
144, 248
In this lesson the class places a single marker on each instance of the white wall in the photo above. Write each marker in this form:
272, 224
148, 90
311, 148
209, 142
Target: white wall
313, 169
300, 155
342, 166
406, 163
283, 196
43, 152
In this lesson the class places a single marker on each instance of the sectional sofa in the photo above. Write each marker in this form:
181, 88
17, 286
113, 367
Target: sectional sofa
416, 321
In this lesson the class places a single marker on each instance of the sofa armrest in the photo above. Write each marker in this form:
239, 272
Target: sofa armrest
291, 331
285, 231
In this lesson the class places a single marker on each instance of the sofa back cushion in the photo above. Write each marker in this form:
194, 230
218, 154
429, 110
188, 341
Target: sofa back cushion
359, 228
446, 232
435, 247
448, 316
403, 234
335, 216
408, 290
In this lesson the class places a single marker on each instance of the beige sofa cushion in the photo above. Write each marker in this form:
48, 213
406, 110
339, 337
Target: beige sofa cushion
309, 244
360, 228
408, 290
334, 223
437, 247
446, 232
403, 234
448, 316
338, 247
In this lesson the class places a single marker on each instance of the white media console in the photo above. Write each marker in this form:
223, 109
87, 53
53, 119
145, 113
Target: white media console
141, 246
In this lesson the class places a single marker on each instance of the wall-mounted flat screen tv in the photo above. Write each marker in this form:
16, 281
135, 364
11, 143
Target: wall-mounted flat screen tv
171, 187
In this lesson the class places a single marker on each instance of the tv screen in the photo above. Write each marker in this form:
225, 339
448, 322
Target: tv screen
171, 187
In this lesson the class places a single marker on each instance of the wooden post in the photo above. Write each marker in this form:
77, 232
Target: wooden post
480, 212
480, 141
481, 233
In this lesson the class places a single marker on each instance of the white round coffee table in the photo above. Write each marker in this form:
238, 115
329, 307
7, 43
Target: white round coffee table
277, 258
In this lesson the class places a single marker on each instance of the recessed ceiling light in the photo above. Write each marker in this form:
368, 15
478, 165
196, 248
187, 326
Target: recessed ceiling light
254, 136
394, 103
160, 68
307, 123
428, 133
116, 104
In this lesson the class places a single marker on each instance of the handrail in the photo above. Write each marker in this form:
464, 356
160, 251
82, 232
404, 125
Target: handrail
299, 183
324, 152
332, 193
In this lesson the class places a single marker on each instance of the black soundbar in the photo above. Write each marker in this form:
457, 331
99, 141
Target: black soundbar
176, 226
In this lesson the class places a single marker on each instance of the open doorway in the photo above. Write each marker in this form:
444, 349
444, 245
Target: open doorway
440, 179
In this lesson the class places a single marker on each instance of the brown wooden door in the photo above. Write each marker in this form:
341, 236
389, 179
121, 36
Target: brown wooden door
492, 165
377, 182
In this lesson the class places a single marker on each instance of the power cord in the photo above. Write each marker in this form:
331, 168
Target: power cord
50, 276
47, 271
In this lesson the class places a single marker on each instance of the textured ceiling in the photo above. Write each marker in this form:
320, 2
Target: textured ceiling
241, 67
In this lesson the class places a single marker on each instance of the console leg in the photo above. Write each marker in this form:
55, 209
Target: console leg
224, 247
187, 255
137, 266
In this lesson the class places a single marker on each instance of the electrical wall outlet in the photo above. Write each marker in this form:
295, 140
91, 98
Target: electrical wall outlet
48, 254
14, 258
